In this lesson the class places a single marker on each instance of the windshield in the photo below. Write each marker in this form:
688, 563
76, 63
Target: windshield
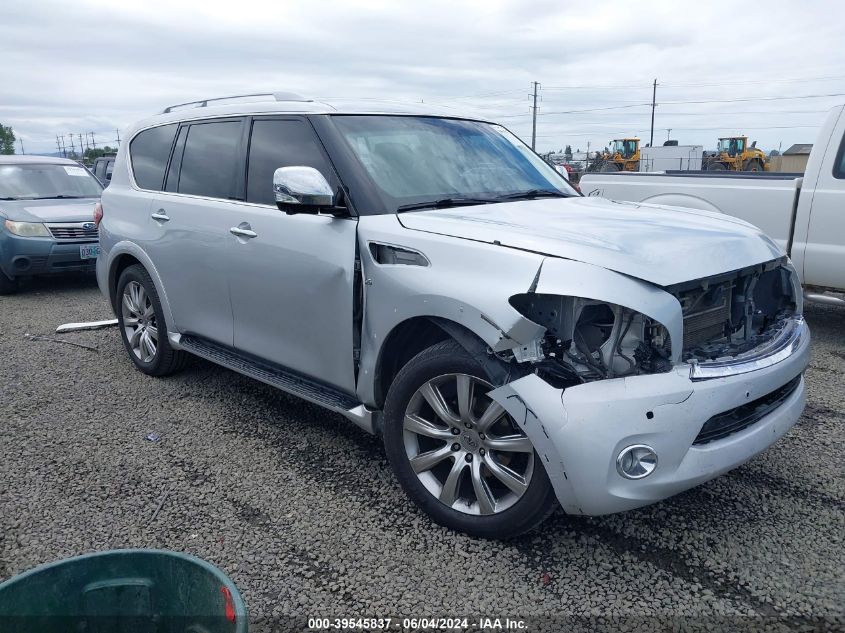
427, 159
731, 145
626, 148
30, 182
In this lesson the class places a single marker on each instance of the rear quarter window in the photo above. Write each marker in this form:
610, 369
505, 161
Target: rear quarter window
148, 152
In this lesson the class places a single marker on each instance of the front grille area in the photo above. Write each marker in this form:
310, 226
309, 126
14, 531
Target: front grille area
708, 324
743, 416
74, 231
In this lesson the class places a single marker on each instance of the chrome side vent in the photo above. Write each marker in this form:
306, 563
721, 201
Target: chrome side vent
389, 254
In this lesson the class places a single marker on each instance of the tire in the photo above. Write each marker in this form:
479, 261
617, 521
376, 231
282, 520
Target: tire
8, 285
142, 326
609, 167
754, 165
475, 499
716, 167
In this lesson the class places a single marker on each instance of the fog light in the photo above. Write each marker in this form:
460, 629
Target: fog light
636, 462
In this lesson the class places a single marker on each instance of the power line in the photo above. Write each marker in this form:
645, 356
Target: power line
695, 85
622, 130
487, 94
697, 101
755, 82
744, 99
620, 107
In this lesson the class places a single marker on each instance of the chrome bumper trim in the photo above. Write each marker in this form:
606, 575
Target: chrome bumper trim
778, 349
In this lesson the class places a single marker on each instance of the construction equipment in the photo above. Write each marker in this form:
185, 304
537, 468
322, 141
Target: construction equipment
734, 154
624, 155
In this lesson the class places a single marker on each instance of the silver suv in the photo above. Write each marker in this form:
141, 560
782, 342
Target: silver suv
432, 280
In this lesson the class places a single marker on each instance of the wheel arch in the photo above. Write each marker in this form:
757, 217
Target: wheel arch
125, 254
411, 336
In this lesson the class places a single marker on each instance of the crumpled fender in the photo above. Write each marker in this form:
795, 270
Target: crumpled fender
575, 279
550, 417
530, 400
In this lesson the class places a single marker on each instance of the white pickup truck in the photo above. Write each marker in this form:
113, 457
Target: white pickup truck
804, 214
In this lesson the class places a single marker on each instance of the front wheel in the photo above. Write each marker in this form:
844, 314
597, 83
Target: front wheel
457, 453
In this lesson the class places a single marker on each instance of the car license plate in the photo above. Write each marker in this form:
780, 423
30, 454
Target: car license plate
89, 251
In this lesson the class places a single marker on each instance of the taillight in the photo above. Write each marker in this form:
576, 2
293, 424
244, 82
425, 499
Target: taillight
98, 213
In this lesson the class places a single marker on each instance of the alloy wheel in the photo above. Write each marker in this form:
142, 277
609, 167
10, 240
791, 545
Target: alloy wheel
139, 322
464, 447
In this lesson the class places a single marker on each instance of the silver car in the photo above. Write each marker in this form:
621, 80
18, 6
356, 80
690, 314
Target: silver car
431, 279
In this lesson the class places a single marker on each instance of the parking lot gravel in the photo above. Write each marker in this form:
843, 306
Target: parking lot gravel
301, 510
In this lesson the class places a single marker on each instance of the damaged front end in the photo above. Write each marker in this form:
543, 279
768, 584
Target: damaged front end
721, 321
589, 340
635, 392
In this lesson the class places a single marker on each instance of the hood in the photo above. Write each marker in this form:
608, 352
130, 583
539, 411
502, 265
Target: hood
659, 244
74, 210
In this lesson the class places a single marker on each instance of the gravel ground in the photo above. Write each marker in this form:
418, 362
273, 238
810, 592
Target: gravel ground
301, 510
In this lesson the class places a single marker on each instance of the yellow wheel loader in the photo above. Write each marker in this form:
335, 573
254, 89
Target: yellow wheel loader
734, 154
624, 155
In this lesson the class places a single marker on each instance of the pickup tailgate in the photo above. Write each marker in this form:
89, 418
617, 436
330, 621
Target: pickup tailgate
765, 200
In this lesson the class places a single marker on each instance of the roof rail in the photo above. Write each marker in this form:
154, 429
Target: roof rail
278, 96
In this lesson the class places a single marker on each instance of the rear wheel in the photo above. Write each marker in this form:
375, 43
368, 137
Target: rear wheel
609, 167
142, 327
754, 165
457, 453
716, 167
8, 285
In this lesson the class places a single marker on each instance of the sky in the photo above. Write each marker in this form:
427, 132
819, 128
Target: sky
79, 66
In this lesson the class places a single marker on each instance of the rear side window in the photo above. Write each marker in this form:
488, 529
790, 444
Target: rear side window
149, 152
274, 144
211, 159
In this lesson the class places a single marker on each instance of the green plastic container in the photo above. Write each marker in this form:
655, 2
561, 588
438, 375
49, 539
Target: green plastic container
123, 591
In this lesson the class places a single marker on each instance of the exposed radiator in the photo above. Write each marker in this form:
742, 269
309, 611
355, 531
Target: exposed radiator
706, 325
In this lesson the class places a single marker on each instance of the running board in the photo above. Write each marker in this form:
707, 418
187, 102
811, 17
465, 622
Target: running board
289, 382
825, 298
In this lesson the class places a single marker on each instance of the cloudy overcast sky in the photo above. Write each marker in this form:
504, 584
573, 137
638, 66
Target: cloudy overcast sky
722, 67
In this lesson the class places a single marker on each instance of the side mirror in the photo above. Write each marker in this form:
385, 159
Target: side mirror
301, 190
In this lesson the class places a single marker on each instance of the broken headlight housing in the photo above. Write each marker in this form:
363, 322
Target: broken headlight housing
588, 340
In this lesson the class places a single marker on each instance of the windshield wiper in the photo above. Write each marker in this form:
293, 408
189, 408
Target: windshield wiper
61, 196
533, 193
444, 203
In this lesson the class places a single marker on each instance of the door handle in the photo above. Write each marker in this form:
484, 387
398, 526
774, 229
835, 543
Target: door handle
160, 215
243, 230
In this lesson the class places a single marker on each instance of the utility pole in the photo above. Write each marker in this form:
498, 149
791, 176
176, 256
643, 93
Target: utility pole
534, 118
81, 151
93, 142
118, 137
59, 145
21, 140
668, 132
72, 146
653, 105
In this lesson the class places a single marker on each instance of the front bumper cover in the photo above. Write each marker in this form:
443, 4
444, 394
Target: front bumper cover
28, 256
579, 432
